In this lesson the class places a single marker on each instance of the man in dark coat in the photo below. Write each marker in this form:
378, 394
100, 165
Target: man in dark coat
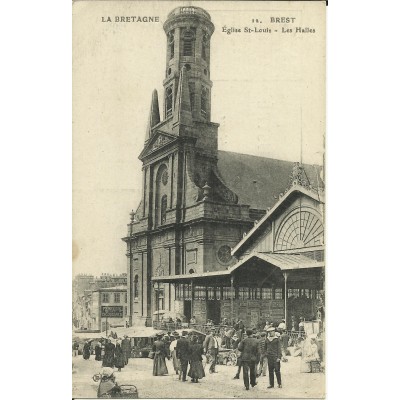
86, 350
274, 355
250, 355
211, 347
183, 353
235, 344
126, 348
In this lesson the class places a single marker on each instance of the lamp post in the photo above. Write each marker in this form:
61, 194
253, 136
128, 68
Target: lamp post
285, 275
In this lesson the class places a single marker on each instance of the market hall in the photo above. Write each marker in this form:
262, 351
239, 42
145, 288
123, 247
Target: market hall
279, 273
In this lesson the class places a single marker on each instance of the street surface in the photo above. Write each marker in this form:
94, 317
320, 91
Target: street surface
220, 385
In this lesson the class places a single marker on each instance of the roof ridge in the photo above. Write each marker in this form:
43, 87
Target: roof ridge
267, 158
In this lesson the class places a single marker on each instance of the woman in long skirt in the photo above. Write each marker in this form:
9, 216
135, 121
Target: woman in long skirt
108, 359
160, 352
97, 351
119, 360
196, 370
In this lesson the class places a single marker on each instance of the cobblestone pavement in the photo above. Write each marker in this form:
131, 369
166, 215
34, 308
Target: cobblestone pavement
219, 385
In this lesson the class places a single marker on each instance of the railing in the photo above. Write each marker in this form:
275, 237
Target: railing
294, 336
204, 328
189, 10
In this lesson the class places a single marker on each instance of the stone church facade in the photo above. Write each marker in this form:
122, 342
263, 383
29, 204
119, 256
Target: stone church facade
197, 202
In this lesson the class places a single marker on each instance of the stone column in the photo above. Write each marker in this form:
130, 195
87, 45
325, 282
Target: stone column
192, 297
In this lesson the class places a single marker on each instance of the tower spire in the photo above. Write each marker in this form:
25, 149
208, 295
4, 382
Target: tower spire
154, 116
182, 110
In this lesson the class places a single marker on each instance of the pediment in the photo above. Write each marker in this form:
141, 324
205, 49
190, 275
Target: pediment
157, 141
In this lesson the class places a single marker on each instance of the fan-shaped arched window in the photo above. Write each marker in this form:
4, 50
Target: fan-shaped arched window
301, 228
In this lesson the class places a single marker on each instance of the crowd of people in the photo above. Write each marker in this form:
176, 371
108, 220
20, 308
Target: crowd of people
257, 351
185, 354
115, 355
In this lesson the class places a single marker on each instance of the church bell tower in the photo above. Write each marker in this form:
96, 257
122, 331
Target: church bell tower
188, 31
170, 232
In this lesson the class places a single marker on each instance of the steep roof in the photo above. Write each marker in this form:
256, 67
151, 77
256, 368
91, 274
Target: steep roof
258, 181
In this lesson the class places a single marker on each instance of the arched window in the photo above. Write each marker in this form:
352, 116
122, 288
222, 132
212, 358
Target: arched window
168, 102
204, 46
171, 45
188, 43
204, 99
163, 209
301, 228
136, 287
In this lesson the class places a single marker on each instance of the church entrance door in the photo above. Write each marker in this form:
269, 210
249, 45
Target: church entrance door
187, 309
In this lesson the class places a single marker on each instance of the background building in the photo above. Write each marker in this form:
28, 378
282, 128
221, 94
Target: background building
83, 287
114, 300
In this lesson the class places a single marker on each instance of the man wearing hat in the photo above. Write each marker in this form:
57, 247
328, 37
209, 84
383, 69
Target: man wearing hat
183, 353
262, 369
172, 350
211, 347
274, 355
126, 348
250, 356
285, 344
282, 326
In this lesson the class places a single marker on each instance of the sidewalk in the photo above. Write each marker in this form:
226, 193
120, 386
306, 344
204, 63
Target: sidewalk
219, 385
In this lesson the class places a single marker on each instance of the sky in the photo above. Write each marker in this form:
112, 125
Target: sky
268, 93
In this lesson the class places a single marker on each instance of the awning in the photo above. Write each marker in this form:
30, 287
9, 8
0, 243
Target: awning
190, 330
189, 277
88, 335
283, 261
136, 332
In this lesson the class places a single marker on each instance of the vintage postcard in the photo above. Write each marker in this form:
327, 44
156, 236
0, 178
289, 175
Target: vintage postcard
198, 199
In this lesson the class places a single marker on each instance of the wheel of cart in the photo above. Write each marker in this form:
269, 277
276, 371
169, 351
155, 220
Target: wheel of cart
232, 358
129, 392
126, 392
